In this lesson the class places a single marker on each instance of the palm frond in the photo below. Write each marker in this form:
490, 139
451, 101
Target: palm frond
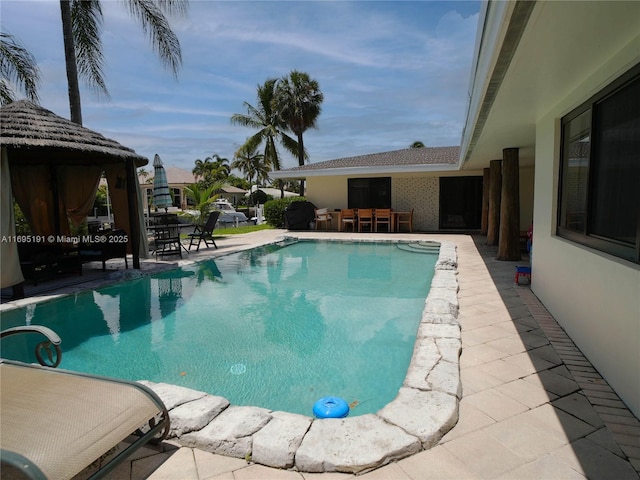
244, 120
155, 24
253, 141
19, 66
174, 7
290, 144
86, 20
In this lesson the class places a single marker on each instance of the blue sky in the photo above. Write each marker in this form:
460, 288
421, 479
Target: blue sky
391, 73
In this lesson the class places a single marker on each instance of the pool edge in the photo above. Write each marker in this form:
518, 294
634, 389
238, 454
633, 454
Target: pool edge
424, 410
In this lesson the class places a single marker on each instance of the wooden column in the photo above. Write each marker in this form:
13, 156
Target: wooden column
495, 192
486, 181
509, 243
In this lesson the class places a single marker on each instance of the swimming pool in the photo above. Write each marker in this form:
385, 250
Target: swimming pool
278, 326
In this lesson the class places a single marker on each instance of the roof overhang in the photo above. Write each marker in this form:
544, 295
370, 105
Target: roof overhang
380, 170
529, 57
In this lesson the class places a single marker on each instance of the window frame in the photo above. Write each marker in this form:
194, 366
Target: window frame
586, 237
372, 184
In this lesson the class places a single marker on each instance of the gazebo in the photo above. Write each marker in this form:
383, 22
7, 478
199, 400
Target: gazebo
52, 167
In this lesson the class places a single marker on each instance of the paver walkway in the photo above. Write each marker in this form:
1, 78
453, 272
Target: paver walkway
533, 406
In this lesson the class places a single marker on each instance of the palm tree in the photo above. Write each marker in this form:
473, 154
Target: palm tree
201, 168
17, 66
297, 100
251, 163
220, 168
142, 172
271, 127
202, 198
211, 169
81, 22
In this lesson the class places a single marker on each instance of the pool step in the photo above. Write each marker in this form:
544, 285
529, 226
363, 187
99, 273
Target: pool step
420, 247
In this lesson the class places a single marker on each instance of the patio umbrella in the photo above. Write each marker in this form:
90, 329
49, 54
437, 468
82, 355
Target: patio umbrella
161, 195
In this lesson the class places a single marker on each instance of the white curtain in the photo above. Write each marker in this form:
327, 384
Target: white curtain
10, 267
144, 243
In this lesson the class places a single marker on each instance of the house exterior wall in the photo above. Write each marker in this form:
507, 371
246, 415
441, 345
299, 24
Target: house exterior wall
418, 191
594, 296
527, 184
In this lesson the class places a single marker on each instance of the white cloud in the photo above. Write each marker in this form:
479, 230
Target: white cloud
391, 73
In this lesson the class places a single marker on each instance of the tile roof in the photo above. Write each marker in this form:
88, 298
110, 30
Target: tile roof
408, 156
175, 175
229, 189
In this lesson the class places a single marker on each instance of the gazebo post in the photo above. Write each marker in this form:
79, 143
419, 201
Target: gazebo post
56, 198
134, 224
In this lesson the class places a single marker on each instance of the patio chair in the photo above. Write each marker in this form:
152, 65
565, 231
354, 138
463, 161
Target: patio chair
382, 217
348, 217
365, 217
404, 218
56, 423
323, 216
166, 235
205, 233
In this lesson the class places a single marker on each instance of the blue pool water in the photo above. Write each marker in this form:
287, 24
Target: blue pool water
277, 327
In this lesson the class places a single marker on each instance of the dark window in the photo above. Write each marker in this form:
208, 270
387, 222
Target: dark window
460, 203
600, 171
369, 192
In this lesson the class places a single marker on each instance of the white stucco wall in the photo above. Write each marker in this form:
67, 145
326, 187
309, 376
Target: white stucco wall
595, 297
527, 183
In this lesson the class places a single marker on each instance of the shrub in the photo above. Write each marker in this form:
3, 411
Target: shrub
260, 197
22, 227
274, 210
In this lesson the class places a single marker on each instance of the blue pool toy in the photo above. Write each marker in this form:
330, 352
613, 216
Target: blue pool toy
331, 407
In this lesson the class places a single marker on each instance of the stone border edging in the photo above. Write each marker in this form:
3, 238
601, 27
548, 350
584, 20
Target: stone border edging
425, 408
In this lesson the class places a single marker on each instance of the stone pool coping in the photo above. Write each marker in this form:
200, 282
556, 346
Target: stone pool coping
425, 408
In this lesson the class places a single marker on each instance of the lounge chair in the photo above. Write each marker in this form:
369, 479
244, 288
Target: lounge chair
205, 233
56, 423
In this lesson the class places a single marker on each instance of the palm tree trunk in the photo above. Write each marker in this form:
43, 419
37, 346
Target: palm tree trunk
70, 60
301, 160
495, 193
509, 239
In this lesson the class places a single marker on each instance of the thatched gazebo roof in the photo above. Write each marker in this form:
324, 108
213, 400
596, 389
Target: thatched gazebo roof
53, 167
32, 133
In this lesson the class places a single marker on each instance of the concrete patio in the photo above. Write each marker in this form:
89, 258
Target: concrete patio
532, 407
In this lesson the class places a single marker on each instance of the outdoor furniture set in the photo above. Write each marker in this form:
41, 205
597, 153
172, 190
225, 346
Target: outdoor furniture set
365, 219
43, 261
165, 229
